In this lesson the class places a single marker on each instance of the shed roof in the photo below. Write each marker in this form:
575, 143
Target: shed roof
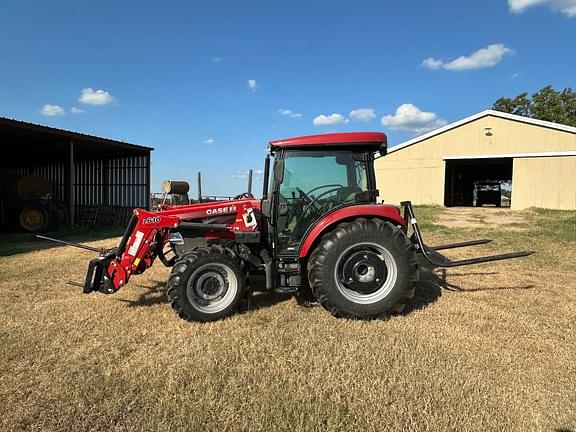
34, 142
489, 112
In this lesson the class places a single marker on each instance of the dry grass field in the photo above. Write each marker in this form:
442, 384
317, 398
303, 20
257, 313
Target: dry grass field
482, 348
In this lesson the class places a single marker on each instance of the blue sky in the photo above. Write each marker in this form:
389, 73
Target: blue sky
207, 84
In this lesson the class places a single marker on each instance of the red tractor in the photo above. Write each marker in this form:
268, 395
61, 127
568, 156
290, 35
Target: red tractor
317, 227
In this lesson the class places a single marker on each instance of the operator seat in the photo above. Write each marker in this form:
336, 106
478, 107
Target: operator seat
348, 194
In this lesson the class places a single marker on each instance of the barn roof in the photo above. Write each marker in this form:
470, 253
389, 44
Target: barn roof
485, 113
32, 141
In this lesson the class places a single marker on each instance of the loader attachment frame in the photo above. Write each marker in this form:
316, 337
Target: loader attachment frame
431, 254
97, 277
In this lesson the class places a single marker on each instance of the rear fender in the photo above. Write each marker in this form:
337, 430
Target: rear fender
382, 211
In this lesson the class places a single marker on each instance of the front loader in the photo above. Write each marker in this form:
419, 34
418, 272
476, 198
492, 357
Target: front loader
317, 227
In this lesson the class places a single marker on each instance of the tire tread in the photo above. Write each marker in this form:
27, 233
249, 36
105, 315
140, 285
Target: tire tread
187, 260
321, 255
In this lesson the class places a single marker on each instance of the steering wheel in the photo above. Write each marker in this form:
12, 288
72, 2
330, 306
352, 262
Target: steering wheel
310, 200
315, 200
303, 194
312, 205
244, 195
325, 186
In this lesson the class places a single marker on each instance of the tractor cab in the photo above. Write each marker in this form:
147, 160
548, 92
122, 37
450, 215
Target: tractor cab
316, 175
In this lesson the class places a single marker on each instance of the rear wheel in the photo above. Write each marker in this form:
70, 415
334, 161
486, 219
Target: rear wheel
206, 284
34, 217
363, 269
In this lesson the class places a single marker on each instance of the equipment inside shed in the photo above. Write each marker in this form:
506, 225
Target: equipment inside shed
53, 177
478, 182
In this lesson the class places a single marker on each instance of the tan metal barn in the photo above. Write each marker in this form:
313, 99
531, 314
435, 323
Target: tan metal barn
445, 166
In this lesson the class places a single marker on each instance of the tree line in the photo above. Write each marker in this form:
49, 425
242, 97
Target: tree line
546, 104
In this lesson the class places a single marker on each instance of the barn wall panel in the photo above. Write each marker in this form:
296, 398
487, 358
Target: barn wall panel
544, 182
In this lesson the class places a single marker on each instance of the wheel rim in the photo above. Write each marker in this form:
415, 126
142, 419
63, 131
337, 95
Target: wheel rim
32, 218
212, 288
365, 273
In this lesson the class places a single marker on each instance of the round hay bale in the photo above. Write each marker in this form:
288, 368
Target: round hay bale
175, 187
34, 187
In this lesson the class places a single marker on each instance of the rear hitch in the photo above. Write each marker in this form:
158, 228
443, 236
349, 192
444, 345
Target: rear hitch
431, 254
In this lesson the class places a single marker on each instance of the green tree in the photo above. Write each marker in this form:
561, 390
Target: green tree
546, 104
520, 105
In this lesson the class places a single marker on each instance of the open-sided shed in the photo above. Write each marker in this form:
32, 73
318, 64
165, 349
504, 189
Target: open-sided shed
85, 171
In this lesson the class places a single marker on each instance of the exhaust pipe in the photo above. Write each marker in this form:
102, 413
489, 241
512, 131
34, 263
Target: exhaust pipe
250, 182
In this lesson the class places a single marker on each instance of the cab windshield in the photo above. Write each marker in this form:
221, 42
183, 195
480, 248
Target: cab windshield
314, 183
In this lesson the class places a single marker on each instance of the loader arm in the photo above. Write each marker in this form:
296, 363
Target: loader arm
148, 233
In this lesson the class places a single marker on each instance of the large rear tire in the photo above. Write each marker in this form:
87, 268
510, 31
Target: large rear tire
206, 284
34, 217
363, 269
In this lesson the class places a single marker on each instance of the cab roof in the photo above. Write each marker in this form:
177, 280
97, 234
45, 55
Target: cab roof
374, 140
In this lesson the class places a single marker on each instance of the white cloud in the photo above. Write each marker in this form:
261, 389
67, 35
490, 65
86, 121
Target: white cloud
329, 120
252, 84
363, 114
483, 58
409, 118
216, 60
289, 113
432, 63
52, 110
515, 75
209, 141
75, 110
567, 7
95, 97
256, 174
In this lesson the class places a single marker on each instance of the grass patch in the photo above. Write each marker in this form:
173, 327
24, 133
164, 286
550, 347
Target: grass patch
557, 225
14, 243
487, 347
427, 216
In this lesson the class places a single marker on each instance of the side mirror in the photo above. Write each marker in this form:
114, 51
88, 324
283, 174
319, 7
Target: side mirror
278, 171
269, 207
383, 149
265, 208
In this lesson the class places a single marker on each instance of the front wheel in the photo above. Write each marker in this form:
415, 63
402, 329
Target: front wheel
206, 284
363, 269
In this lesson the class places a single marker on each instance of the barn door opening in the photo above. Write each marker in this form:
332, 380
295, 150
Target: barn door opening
478, 182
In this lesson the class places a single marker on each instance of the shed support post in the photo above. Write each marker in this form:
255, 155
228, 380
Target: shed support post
148, 181
71, 185
105, 186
